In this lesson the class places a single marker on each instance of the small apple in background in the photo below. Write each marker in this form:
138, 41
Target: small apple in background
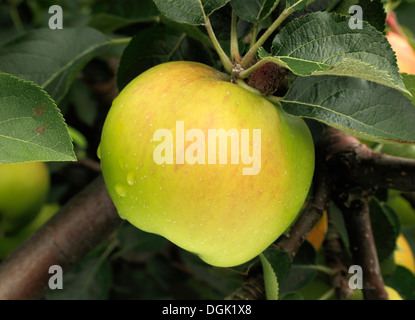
9, 243
213, 210
403, 254
401, 206
318, 233
405, 54
24, 188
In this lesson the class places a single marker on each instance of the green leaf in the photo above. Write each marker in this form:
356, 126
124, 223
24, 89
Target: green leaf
153, 46
270, 279
402, 281
89, 280
299, 276
189, 11
31, 126
52, 58
106, 22
361, 108
254, 10
385, 228
297, 5
322, 43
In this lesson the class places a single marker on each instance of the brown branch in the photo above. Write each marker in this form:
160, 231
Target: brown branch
356, 164
84, 222
337, 259
362, 247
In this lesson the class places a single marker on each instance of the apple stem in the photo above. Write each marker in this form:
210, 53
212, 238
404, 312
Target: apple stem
121, 41
247, 72
250, 55
275, 99
244, 85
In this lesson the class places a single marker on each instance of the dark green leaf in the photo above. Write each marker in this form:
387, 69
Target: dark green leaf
89, 280
253, 10
291, 296
374, 13
385, 228
297, 5
106, 22
31, 126
189, 11
356, 106
280, 262
402, 281
52, 58
322, 43
153, 46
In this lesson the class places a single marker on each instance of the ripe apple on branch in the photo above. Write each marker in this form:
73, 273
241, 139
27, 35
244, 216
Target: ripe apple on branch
240, 158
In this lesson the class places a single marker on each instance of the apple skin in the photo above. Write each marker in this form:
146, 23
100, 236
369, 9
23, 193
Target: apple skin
23, 190
214, 211
405, 54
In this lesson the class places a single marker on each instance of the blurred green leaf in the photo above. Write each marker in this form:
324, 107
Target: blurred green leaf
153, 46
52, 58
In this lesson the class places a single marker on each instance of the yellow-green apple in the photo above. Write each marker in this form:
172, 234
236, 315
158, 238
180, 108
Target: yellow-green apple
216, 169
9, 243
23, 190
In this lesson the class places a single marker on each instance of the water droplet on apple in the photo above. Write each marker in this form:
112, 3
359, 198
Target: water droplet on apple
120, 190
131, 178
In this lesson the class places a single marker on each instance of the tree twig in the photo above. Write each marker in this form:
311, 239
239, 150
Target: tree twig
84, 222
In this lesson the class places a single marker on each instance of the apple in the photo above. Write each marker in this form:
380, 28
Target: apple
9, 243
318, 233
24, 188
214, 168
405, 54
403, 209
403, 254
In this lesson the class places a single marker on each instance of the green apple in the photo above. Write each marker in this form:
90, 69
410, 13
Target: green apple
24, 188
403, 209
216, 169
9, 243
